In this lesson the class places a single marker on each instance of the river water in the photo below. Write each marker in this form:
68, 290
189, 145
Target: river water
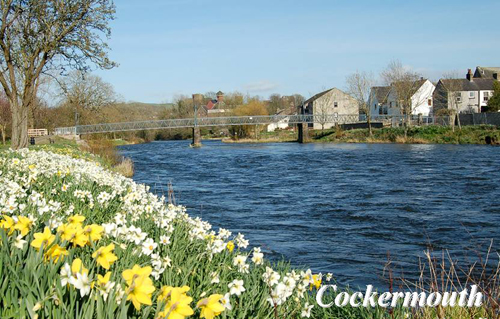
337, 208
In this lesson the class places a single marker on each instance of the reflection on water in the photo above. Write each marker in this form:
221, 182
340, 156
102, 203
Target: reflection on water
335, 207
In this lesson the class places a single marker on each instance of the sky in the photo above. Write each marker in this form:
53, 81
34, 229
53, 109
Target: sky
165, 48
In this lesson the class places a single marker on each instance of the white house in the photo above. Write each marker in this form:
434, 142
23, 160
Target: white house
283, 122
378, 100
421, 100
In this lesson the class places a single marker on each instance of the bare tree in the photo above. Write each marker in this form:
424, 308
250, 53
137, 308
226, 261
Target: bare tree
87, 95
359, 85
38, 36
451, 88
5, 116
404, 83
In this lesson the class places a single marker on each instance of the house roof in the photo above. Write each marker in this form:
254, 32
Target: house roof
415, 86
381, 93
317, 96
486, 72
287, 111
477, 84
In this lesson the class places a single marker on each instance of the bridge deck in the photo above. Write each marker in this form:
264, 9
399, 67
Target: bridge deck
216, 121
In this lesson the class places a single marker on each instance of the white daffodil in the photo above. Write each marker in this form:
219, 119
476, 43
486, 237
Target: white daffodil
82, 283
306, 311
236, 287
226, 302
66, 274
19, 242
148, 246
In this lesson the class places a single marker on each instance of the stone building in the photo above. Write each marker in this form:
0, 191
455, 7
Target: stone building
330, 102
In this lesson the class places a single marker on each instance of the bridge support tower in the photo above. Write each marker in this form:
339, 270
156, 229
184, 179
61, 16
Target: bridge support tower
197, 100
303, 132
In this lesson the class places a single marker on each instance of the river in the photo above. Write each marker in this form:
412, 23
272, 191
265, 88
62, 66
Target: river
338, 208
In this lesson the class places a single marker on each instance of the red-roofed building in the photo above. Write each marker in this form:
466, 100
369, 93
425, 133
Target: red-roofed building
216, 106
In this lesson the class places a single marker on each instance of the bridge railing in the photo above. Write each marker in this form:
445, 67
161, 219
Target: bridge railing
235, 120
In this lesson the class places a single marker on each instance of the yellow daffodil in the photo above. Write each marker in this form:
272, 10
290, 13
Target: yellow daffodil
140, 291
167, 290
43, 239
316, 282
178, 305
103, 280
79, 238
55, 253
211, 306
78, 267
94, 232
104, 256
23, 225
8, 224
76, 220
230, 246
67, 231
130, 274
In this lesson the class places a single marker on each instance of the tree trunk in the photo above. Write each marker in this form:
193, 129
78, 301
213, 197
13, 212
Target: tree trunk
2, 128
19, 125
458, 121
369, 122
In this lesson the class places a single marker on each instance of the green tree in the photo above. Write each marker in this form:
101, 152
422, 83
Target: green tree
42, 36
494, 101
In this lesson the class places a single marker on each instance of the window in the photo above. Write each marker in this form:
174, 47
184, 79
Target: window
429, 102
335, 104
486, 96
472, 94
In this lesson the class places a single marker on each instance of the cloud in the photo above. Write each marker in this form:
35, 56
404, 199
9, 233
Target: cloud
260, 86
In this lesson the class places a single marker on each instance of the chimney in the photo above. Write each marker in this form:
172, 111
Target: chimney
495, 76
421, 78
469, 75
220, 96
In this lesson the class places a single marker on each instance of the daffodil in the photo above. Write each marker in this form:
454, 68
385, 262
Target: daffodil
178, 305
67, 231
104, 256
166, 291
78, 267
43, 239
103, 280
8, 224
23, 225
230, 246
140, 291
55, 253
19, 242
94, 232
211, 306
316, 282
79, 238
130, 274
76, 220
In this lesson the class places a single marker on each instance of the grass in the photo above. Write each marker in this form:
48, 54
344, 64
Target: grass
417, 135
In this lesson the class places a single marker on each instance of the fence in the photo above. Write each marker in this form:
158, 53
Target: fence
37, 132
480, 119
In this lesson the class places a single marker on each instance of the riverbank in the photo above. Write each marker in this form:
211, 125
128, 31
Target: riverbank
165, 247
416, 135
